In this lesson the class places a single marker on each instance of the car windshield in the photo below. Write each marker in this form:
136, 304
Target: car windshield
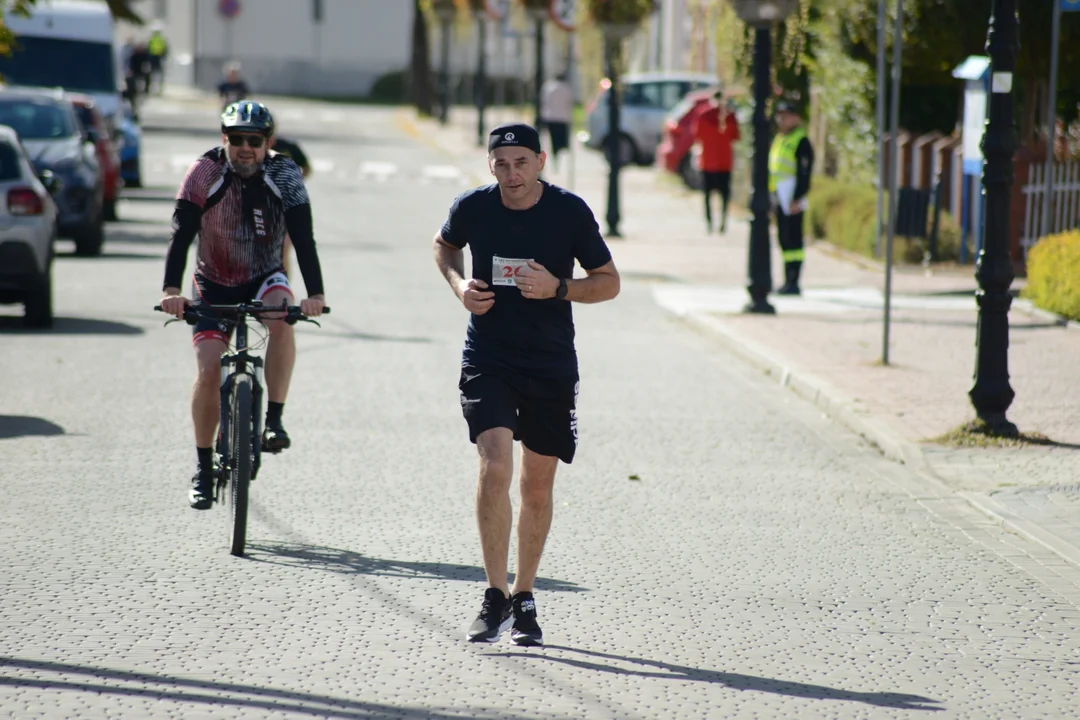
9, 162
35, 120
86, 117
50, 62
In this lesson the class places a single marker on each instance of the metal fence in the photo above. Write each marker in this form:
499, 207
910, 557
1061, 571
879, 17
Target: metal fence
1064, 201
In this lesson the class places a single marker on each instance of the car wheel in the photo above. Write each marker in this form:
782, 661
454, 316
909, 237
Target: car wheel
627, 151
88, 240
39, 309
109, 209
689, 174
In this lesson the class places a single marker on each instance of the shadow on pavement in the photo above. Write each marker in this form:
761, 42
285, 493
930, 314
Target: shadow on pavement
346, 562
12, 325
113, 255
735, 681
13, 426
125, 683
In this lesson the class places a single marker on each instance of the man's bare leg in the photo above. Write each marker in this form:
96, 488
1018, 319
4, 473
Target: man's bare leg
493, 512
280, 350
206, 395
534, 516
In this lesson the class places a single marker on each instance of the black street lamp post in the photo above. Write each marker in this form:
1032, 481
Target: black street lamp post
481, 78
614, 138
991, 394
761, 14
445, 12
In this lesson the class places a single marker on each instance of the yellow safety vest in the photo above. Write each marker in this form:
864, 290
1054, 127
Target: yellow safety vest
156, 45
782, 160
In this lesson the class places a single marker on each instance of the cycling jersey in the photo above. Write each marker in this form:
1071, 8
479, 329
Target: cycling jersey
241, 223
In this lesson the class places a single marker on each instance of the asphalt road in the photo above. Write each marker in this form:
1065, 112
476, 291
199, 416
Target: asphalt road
719, 549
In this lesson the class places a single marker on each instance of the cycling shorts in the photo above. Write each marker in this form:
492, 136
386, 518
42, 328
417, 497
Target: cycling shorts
204, 292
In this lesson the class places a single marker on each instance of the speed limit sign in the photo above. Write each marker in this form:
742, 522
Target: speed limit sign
564, 14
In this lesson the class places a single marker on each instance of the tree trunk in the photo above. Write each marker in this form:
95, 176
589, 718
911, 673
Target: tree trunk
421, 87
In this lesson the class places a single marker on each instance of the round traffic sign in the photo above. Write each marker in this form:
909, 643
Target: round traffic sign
229, 8
564, 14
497, 9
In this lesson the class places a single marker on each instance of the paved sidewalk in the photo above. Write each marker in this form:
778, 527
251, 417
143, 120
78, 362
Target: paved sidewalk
827, 345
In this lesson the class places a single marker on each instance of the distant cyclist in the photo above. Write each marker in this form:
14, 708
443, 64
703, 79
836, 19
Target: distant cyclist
240, 200
233, 89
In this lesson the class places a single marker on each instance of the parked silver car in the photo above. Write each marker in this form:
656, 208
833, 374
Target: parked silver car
646, 100
28, 218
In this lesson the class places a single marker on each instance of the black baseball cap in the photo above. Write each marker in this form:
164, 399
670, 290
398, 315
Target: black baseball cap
514, 135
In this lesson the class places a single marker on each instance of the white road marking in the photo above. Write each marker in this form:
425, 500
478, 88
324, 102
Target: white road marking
381, 171
321, 165
441, 172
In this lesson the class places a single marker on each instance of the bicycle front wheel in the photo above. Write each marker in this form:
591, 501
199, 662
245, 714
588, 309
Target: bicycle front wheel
240, 469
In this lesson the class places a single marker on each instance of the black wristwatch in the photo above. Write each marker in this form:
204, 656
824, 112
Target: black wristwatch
560, 293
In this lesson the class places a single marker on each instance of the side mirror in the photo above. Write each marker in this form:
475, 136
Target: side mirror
49, 180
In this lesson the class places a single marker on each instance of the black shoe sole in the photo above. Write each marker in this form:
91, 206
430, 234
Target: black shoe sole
201, 505
275, 447
527, 640
495, 638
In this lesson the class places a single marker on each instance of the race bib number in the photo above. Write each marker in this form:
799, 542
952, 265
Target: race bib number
504, 271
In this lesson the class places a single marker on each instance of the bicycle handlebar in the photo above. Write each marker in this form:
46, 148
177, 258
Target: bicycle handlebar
293, 314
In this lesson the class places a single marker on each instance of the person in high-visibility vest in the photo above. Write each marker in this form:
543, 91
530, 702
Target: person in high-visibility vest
158, 48
791, 160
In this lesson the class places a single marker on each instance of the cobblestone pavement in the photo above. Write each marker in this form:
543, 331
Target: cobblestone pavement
720, 548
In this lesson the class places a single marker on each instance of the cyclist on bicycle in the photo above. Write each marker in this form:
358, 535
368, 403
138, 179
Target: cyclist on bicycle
240, 199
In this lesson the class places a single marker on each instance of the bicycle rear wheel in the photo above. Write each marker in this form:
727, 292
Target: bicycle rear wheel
240, 456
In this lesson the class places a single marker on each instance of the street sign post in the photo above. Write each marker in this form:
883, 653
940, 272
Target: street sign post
975, 71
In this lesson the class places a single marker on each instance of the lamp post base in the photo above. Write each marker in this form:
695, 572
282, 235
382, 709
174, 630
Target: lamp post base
997, 425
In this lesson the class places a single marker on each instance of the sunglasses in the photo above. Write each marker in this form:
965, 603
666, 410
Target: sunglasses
253, 141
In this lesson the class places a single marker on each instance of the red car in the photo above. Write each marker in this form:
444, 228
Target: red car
107, 152
674, 153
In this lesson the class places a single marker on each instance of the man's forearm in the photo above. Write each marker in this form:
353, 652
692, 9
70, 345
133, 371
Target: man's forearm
595, 288
451, 263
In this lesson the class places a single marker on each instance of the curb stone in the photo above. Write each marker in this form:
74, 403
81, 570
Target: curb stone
924, 483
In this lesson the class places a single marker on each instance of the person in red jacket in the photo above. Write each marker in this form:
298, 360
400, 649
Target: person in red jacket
716, 130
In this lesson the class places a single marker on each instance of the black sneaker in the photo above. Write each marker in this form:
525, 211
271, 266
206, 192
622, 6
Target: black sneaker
526, 631
494, 618
275, 439
202, 490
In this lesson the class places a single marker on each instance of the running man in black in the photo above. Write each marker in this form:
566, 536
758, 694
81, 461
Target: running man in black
519, 371
240, 199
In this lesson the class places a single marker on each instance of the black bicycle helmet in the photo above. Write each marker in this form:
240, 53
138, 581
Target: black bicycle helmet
247, 115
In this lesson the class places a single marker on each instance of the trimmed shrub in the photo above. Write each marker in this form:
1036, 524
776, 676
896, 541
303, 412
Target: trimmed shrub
1053, 274
845, 215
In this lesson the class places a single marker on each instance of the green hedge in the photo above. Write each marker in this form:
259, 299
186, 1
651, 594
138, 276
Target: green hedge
1053, 274
846, 216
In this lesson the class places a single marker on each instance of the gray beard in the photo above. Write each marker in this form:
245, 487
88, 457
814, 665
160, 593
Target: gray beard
245, 171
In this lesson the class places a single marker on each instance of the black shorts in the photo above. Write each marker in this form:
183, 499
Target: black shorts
205, 292
720, 181
560, 135
542, 413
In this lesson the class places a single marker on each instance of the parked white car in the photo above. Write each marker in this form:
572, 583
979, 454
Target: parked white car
27, 232
646, 100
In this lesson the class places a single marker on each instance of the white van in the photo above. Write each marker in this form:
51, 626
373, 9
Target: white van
67, 44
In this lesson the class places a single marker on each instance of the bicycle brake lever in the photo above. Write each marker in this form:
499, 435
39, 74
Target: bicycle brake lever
313, 322
171, 321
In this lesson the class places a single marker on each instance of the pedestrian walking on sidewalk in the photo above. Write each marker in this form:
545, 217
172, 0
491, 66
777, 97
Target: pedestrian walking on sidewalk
519, 370
716, 130
791, 161
557, 113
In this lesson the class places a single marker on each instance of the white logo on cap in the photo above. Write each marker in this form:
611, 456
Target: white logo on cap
509, 137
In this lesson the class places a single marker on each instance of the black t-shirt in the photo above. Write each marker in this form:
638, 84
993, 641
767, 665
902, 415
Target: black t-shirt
532, 337
289, 147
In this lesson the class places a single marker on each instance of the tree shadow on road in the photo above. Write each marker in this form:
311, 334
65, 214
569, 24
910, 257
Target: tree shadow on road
735, 681
346, 562
13, 325
105, 681
13, 426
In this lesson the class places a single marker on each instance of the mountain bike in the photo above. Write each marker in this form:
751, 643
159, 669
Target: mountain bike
239, 441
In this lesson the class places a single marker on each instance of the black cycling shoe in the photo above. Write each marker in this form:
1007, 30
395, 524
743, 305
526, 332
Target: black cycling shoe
275, 439
201, 496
